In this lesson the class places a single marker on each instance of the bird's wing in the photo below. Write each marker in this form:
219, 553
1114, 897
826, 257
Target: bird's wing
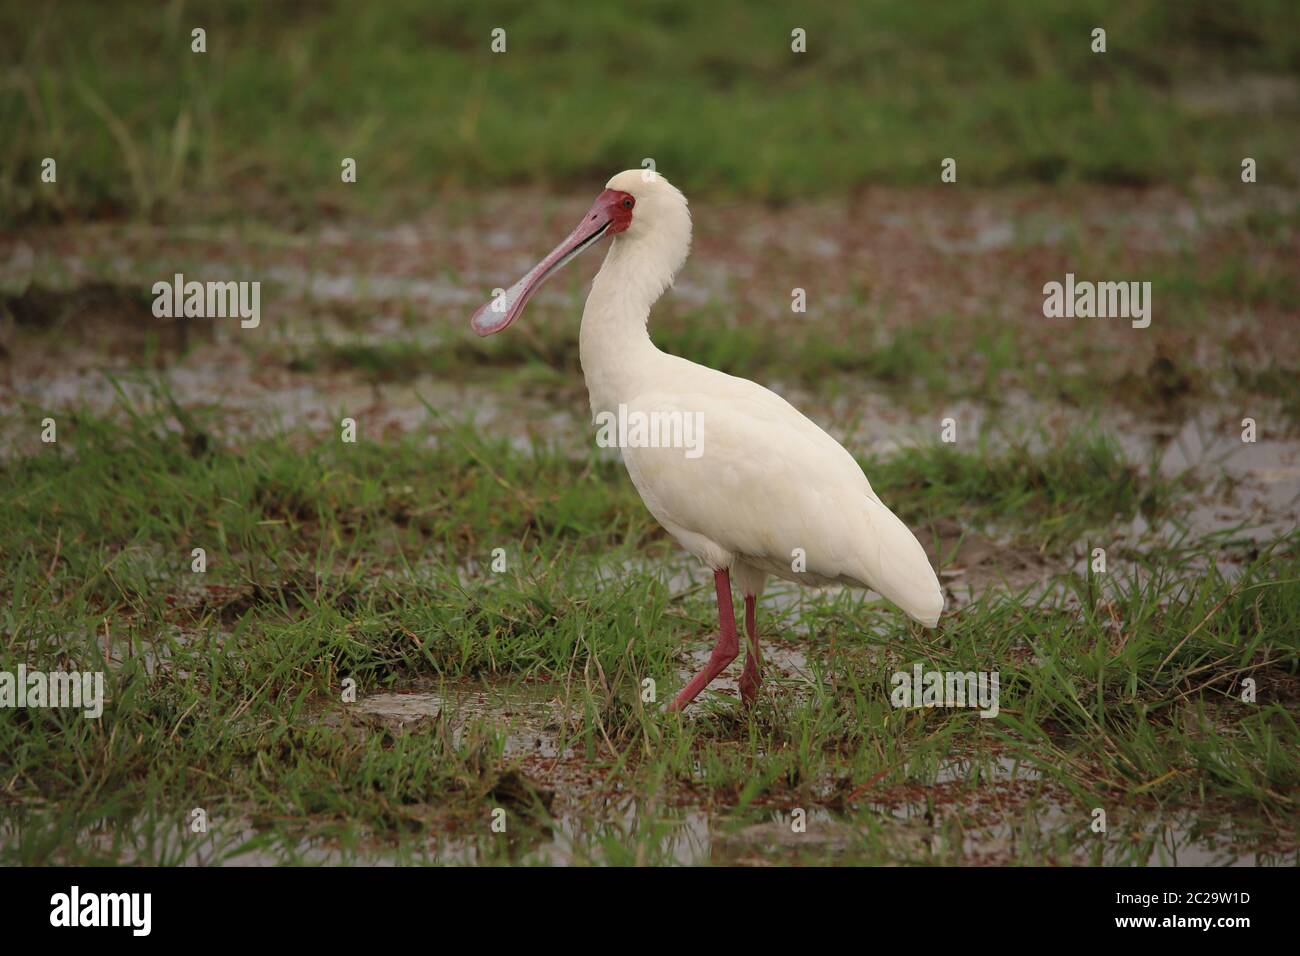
767, 481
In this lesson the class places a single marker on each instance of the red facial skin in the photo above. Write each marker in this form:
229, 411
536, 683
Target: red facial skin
609, 215
619, 206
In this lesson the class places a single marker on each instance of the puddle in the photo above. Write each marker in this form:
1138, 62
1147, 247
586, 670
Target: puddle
622, 833
530, 717
984, 810
989, 809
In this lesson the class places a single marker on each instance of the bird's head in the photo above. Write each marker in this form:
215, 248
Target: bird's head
638, 205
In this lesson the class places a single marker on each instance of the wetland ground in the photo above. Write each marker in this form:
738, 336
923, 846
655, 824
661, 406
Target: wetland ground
398, 642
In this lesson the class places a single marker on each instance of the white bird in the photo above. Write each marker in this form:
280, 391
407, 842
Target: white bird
765, 485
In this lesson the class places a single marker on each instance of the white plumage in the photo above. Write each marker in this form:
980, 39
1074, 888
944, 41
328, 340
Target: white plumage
768, 484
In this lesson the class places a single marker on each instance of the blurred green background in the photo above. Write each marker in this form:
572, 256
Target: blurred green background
140, 125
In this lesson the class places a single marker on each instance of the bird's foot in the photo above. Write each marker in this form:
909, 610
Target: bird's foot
750, 681
723, 654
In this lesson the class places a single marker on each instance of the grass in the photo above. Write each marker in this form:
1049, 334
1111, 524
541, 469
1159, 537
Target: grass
331, 561
370, 562
368, 567
164, 476
935, 359
1054, 491
140, 125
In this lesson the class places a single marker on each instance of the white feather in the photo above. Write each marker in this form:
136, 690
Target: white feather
768, 480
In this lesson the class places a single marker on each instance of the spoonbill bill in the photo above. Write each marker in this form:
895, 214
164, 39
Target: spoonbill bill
765, 491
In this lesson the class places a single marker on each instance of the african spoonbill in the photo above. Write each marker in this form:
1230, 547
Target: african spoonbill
765, 481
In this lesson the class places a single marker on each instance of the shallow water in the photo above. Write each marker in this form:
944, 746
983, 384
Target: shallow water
1009, 810
382, 282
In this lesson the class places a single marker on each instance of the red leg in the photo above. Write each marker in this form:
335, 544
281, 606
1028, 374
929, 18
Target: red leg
724, 652
752, 677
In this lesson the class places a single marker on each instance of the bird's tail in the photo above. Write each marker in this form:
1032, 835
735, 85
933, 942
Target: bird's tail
894, 564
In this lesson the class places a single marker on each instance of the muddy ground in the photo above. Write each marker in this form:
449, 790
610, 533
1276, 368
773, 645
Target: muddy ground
369, 322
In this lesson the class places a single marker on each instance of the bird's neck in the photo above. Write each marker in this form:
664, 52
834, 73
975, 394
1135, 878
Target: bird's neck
614, 343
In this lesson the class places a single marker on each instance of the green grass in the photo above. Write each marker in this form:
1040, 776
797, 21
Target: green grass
329, 561
140, 124
1052, 491
937, 358
295, 504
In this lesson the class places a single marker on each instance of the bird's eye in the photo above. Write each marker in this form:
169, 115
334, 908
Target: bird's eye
627, 203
